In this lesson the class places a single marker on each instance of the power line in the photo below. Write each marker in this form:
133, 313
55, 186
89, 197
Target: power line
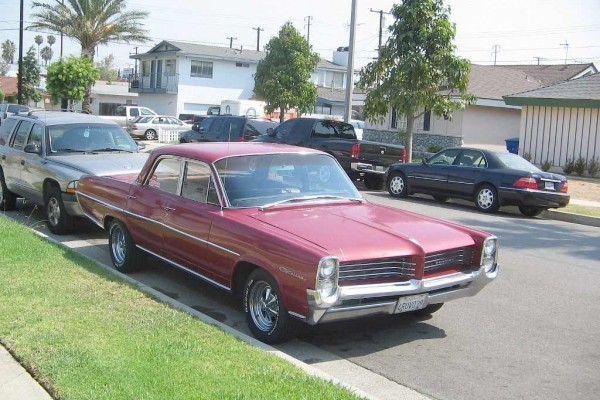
258, 30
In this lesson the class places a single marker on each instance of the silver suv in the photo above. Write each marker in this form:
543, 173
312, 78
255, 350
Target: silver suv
43, 155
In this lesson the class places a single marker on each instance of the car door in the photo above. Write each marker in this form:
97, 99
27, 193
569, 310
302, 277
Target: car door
150, 201
14, 159
465, 172
432, 176
216, 132
33, 167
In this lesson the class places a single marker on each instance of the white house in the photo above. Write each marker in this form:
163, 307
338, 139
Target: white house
178, 77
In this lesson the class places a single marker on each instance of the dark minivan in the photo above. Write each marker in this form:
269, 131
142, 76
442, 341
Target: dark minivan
227, 128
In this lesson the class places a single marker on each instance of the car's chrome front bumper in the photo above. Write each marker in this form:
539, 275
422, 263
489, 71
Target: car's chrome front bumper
367, 300
368, 167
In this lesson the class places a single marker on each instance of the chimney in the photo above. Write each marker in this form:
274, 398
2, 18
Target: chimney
340, 56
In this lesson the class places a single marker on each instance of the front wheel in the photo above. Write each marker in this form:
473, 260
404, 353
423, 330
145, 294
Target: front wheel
486, 199
124, 254
266, 315
397, 185
8, 200
57, 219
150, 134
530, 211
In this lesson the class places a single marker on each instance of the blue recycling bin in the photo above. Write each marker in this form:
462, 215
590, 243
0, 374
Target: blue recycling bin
512, 145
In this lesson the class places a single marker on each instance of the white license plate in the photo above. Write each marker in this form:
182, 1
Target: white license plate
549, 185
410, 303
380, 168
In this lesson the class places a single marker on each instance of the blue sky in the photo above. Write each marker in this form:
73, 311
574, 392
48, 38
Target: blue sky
520, 30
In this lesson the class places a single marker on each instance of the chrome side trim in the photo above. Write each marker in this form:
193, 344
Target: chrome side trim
534, 191
296, 315
121, 210
173, 263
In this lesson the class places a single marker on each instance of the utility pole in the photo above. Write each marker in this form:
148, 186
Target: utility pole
308, 25
380, 12
20, 81
495, 49
258, 37
538, 59
231, 39
62, 3
350, 68
135, 71
566, 45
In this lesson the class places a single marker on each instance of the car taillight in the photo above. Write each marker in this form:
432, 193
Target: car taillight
355, 151
403, 156
133, 127
564, 188
526, 183
242, 139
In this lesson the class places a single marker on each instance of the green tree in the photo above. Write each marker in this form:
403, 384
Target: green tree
47, 54
3, 68
1, 94
91, 23
107, 70
38, 40
417, 69
51, 40
283, 77
31, 78
8, 51
69, 78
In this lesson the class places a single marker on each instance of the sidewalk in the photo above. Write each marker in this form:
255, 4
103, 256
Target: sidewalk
16, 383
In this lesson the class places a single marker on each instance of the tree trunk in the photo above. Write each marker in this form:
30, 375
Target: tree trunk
410, 123
86, 105
281, 114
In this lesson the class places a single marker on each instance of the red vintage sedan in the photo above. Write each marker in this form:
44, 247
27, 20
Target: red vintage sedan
285, 229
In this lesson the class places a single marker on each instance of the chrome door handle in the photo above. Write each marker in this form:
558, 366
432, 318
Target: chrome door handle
131, 197
167, 208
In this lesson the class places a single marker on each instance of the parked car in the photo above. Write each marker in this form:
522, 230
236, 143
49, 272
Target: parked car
126, 114
491, 179
43, 155
227, 128
192, 118
360, 159
7, 109
285, 228
148, 127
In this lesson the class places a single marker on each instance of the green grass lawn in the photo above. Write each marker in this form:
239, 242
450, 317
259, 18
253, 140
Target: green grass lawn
85, 334
582, 210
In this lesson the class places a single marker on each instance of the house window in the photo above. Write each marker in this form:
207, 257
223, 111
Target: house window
394, 123
145, 69
170, 67
334, 79
201, 69
427, 121
242, 65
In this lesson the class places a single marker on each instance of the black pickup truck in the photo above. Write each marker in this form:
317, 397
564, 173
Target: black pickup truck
360, 159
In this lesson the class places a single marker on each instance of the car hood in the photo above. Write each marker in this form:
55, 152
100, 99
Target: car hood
102, 164
366, 231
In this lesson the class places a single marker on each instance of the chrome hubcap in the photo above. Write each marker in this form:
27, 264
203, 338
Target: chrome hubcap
151, 135
485, 198
397, 185
53, 211
263, 305
118, 245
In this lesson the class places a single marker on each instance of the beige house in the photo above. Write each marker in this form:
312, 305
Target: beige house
560, 122
490, 121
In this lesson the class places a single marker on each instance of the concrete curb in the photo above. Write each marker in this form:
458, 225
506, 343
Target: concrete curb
572, 218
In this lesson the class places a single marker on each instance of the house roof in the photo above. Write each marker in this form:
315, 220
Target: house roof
221, 53
327, 95
113, 89
581, 92
492, 82
551, 74
8, 85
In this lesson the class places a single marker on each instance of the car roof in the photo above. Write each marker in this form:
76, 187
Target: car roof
58, 117
213, 151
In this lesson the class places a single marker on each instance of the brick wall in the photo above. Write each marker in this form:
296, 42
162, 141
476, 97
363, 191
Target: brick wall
420, 140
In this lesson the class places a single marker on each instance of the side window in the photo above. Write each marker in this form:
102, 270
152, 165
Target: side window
471, 158
250, 132
446, 157
6, 129
18, 141
205, 124
166, 175
284, 130
236, 126
196, 182
217, 127
133, 112
36, 135
145, 111
324, 129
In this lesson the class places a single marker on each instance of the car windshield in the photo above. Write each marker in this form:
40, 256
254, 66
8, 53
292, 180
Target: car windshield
514, 161
89, 138
270, 179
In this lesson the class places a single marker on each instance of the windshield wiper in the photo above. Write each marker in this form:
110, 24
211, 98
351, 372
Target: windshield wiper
110, 149
70, 151
307, 198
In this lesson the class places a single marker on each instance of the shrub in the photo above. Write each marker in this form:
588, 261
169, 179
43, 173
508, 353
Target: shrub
569, 167
433, 148
527, 156
593, 167
580, 165
546, 165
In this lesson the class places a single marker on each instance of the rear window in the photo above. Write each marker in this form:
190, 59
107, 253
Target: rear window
514, 161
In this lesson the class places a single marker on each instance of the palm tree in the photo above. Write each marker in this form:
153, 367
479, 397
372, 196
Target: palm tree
8, 51
91, 23
39, 40
51, 40
47, 54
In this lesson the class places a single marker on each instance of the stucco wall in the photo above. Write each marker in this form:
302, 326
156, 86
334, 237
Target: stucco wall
557, 134
490, 125
161, 103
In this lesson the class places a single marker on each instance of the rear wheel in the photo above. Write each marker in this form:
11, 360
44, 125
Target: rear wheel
486, 199
150, 134
530, 211
124, 254
57, 219
397, 185
8, 200
266, 315
373, 182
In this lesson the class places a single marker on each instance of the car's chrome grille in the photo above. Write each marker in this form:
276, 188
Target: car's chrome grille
457, 258
397, 268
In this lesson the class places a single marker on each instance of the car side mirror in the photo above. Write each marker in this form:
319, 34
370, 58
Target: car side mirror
196, 127
270, 131
32, 148
424, 161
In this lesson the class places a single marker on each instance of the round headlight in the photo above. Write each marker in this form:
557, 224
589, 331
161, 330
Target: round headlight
489, 248
328, 268
326, 288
